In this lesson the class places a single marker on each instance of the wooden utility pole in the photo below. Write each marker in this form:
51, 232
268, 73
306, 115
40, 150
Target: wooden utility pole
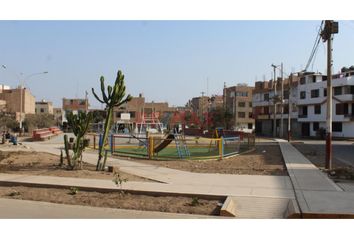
330, 28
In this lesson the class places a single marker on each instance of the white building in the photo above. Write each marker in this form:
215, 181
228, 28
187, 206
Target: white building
263, 107
312, 107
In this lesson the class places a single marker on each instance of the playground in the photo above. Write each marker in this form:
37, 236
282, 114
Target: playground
174, 146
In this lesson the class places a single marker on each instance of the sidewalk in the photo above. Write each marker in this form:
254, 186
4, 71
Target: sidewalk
24, 209
315, 192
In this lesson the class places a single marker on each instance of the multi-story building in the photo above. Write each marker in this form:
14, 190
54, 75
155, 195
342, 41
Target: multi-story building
216, 101
312, 104
238, 101
44, 107
74, 105
263, 101
18, 100
199, 105
138, 108
308, 103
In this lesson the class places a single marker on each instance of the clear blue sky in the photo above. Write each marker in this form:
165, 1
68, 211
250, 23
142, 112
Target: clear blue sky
166, 60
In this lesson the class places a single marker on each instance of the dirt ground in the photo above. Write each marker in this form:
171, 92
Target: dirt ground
39, 163
266, 159
174, 204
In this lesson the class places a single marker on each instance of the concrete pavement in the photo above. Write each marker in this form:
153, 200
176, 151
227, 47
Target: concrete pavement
316, 194
24, 209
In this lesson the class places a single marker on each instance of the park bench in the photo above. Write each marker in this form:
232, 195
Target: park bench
42, 134
55, 130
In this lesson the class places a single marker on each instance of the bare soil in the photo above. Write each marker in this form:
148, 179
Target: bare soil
266, 159
39, 163
122, 200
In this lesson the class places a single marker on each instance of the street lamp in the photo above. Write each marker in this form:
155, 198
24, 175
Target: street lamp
22, 81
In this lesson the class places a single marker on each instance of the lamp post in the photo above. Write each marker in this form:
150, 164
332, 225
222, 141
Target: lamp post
22, 81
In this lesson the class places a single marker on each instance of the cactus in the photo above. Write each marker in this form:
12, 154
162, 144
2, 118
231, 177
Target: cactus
114, 98
79, 124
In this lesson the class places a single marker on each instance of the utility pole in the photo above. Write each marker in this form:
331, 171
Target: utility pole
330, 28
282, 101
289, 107
274, 102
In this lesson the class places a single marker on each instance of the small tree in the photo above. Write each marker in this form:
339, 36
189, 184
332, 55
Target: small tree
79, 124
114, 98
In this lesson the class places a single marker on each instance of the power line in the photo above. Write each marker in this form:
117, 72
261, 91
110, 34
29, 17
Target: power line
314, 48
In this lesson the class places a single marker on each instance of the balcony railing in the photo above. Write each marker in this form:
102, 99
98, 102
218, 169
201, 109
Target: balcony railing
302, 116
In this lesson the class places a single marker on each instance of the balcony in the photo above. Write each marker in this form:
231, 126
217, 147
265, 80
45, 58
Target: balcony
350, 116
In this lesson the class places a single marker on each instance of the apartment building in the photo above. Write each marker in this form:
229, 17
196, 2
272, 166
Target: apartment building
44, 107
74, 105
137, 108
263, 99
238, 101
19, 101
312, 104
199, 105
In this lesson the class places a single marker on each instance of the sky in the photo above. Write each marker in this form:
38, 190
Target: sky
169, 61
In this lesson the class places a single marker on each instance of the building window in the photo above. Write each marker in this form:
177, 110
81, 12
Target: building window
337, 91
286, 94
42, 110
266, 97
286, 109
132, 114
341, 108
118, 114
325, 92
315, 93
314, 79
250, 115
250, 104
242, 94
318, 109
351, 89
316, 126
266, 110
241, 114
241, 104
337, 127
302, 95
302, 80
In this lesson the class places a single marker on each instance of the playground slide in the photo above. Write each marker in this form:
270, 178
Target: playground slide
164, 143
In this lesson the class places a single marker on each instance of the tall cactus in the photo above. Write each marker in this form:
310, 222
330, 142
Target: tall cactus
79, 124
114, 98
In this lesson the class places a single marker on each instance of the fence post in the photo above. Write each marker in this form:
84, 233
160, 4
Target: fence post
221, 147
94, 141
151, 147
112, 146
100, 141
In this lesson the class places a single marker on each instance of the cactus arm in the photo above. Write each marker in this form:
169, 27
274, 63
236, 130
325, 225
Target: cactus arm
98, 99
104, 96
109, 90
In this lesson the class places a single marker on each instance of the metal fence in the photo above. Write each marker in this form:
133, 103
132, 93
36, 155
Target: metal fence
172, 146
